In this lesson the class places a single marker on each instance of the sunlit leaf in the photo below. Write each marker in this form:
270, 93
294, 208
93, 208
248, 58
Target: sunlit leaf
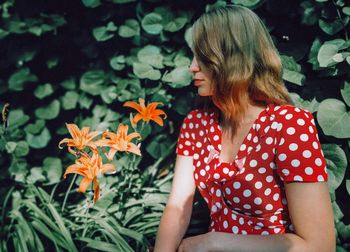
50, 111
43, 90
152, 23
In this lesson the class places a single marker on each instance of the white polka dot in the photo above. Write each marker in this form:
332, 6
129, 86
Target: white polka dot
186, 153
276, 230
274, 125
285, 172
216, 175
289, 116
253, 163
306, 154
236, 199
227, 190
249, 177
298, 178
296, 109
202, 172
266, 129
276, 196
236, 185
231, 173
273, 165
282, 157
295, 163
218, 193
243, 147
199, 144
301, 122
265, 233
262, 170
247, 206
315, 145
283, 112
269, 140
247, 193
279, 127
181, 146
290, 130
191, 125
226, 170
311, 129
249, 136
318, 161
216, 137
264, 156
207, 167
187, 135
258, 185
293, 147
268, 207
195, 156
235, 229
269, 178
258, 201
281, 141
214, 209
225, 211
188, 143
304, 137
263, 118
255, 139
201, 133
199, 115
320, 178
196, 176
198, 163
202, 185
273, 218
241, 220
309, 171
189, 116
225, 224
267, 192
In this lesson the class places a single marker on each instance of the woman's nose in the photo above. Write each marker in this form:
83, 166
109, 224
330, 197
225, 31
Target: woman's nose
194, 66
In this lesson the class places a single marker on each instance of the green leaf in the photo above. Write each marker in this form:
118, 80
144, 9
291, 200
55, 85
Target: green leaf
152, 23
17, 118
343, 230
22, 149
247, 3
331, 28
102, 34
53, 169
85, 102
176, 24
146, 71
109, 94
10, 147
348, 186
291, 70
345, 93
35, 128
151, 55
182, 61
49, 112
91, 82
70, 100
36, 174
311, 106
161, 146
336, 165
91, 3
337, 212
39, 141
43, 91
99, 245
51, 63
328, 50
69, 84
188, 37
117, 62
129, 29
333, 118
18, 79
18, 169
346, 10
178, 77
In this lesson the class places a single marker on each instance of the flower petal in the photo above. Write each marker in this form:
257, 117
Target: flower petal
158, 120
73, 130
108, 168
96, 190
85, 182
133, 105
75, 168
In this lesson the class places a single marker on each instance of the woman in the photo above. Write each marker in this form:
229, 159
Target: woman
255, 159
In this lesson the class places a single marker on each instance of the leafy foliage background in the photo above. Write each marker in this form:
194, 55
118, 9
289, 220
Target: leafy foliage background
78, 61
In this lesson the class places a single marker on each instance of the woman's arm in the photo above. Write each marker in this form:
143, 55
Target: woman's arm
312, 217
178, 210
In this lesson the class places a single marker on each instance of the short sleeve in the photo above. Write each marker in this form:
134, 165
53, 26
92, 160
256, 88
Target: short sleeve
185, 145
299, 156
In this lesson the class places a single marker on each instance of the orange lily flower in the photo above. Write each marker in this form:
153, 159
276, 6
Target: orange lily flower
120, 141
80, 138
90, 168
146, 113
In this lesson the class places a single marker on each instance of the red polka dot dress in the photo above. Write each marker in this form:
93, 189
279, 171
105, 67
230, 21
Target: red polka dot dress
247, 196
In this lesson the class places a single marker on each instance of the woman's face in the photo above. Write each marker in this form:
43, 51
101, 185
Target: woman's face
201, 78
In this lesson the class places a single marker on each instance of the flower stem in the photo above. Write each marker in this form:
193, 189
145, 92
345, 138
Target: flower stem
67, 193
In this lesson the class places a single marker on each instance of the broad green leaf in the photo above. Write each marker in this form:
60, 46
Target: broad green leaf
246, 3
311, 106
99, 111
146, 71
18, 79
178, 77
91, 3
102, 33
53, 169
99, 245
68, 84
182, 61
217, 4
84, 101
346, 10
43, 91
49, 112
159, 147
10, 147
70, 100
18, 169
331, 28
152, 23
111, 26
345, 92
337, 212
35, 128
129, 29
343, 230
111, 116
117, 62
39, 141
151, 55
91, 82
51, 63
3, 33
36, 174
175, 24
326, 54
291, 70
333, 118
22, 149
348, 186
17, 118
188, 37
109, 94
336, 165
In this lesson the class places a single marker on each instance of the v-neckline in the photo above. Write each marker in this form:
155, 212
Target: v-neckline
245, 139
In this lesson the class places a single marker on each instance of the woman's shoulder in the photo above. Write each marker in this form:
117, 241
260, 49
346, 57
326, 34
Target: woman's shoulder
197, 114
289, 113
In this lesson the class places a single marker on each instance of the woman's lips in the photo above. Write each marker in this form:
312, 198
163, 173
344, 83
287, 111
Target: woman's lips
197, 82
